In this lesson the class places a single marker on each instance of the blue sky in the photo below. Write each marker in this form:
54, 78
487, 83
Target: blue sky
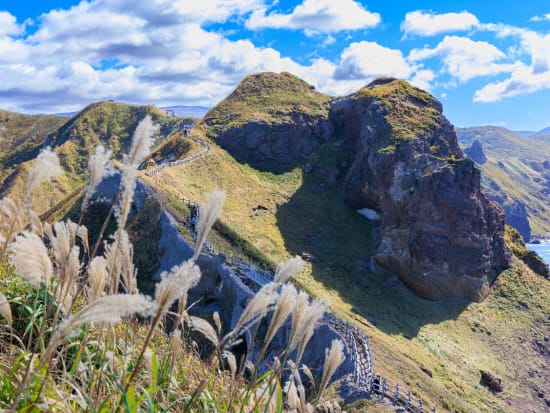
488, 62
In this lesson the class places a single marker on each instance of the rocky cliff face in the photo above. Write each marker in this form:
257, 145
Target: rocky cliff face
439, 232
271, 118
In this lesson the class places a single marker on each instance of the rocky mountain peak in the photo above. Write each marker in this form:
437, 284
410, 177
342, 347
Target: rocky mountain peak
439, 232
476, 153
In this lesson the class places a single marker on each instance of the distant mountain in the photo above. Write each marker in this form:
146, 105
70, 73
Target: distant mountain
189, 111
182, 111
545, 131
516, 174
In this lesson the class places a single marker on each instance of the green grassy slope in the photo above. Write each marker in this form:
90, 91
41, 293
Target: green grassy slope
108, 123
266, 96
517, 169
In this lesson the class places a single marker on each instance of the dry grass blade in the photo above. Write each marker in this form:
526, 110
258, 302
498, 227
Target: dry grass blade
5, 309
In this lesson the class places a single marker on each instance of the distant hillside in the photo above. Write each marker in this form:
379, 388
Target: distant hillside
108, 123
545, 131
516, 175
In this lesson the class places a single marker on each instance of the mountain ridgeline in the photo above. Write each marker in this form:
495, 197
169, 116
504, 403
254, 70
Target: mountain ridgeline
515, 174
437, 229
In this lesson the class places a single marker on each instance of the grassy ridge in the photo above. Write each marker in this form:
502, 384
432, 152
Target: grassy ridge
515, 171
270, 97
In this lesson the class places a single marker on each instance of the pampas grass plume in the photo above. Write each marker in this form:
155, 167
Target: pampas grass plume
30, 257
109, 309
206, 329
257, 308
97, 278
334, 357
45, 168
141, 142
98, 166
285, 305
174, 285
287, 269
210, 211
5, 309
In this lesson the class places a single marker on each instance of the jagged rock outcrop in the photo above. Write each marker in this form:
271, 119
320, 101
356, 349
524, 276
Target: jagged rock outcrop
518, 217
271, 118
439, 232
476, 153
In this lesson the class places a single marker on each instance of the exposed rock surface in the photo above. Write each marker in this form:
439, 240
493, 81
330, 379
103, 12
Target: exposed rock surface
518, 217
271, 118
476, 153
440, 233
260, 141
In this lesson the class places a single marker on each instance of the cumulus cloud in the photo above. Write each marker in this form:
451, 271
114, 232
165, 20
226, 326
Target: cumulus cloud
317, 16
524, 78
423, 23
9, 25
464, 58
367, 60
545, 17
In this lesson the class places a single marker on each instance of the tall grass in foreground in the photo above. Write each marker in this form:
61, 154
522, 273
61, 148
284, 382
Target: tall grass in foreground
71, 341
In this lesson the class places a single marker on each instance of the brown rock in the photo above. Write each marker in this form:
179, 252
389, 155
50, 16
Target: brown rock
440, 233
489, 380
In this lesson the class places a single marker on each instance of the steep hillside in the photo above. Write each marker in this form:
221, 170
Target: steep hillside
108, 123
426, 346
516, 174
270, 119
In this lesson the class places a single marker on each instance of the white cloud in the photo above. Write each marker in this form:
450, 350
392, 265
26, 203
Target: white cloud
464, 58
545, 17
367, 60
9, 26
317, 16
429, 24
423, 79
525, 78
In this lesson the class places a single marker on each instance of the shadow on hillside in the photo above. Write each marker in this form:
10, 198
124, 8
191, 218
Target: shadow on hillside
339, 243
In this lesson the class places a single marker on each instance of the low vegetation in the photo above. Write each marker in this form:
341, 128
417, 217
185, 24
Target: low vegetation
270, 97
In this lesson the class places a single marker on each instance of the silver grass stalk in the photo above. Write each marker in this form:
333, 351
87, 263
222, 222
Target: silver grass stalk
67, 289
61, 242
205, 328
232, 362
129, 272
209, 212
333, 359
82, 233
292, 397
30, 258
174, 285
217, 321
45, 168
99, 167
287, 269
128, 185
97, 278
109, 309
36, 224
141, 142
8, 222
5, 309
114, 267
257, 308
305, 326
285, 305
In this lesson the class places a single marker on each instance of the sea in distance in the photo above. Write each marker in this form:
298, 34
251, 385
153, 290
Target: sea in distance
543, 249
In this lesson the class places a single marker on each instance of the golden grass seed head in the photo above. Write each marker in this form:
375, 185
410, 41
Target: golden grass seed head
30, 257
